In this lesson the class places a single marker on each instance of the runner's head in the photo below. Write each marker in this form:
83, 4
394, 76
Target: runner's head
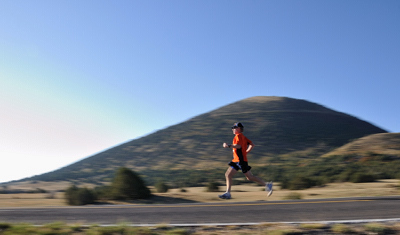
238, 125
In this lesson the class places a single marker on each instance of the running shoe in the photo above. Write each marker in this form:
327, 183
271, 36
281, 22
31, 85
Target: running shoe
225, 196
268, 188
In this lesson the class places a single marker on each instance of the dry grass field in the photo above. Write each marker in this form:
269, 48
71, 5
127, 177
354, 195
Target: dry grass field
240, 193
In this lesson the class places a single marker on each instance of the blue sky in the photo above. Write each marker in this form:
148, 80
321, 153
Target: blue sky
78, 77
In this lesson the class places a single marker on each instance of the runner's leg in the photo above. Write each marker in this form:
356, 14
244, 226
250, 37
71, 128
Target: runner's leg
228, 176
254, 178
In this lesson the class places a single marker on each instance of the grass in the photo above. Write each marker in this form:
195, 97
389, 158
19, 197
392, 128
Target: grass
377, 228
252, 192
342, 229
269, 228
293, 196
313, 226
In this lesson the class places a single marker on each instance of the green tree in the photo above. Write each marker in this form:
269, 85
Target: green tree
103, 192
127, 185
71, 195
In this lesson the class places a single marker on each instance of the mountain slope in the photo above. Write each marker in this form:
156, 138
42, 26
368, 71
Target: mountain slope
376, 144
277, 126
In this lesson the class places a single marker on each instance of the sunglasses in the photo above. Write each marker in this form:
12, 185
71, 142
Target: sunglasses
234, 127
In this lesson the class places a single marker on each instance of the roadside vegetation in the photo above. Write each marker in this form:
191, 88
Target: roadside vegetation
126, 185
292, 173
267, 228
297, 174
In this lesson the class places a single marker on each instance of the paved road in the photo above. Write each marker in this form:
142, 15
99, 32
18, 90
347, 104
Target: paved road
224, 212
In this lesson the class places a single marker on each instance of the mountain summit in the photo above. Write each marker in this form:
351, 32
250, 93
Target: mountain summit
277, 125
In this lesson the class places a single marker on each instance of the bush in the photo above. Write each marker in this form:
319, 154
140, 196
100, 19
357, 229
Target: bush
362, 178
301, 182
313, 226
346, 175
341, 229
22, 228
86, 196
284, 183
161, 187
212, 187
103, 192
127, 185
4, 226
79, 196
378, 228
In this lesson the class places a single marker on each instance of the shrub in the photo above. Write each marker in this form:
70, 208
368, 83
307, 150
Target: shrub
377, 228
301, 182
23, 228
313, 226
161, 187
71, 195
212, 187
86, 196
341, 229
346, 175
54, 228
79, 196
127, 185
362, 178
284, 183
4, 226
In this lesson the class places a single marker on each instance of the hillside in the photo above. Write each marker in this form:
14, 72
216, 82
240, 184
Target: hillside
278, 126
377, 144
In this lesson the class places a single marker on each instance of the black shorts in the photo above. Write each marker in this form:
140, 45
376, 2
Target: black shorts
244, 166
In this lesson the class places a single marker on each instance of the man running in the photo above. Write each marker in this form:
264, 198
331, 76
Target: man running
241, 145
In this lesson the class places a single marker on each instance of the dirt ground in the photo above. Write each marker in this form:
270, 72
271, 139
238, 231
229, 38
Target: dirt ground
240, 193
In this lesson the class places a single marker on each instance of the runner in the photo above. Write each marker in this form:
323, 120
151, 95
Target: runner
241, 145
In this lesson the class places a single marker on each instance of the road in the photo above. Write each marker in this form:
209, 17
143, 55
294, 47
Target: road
212, 213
